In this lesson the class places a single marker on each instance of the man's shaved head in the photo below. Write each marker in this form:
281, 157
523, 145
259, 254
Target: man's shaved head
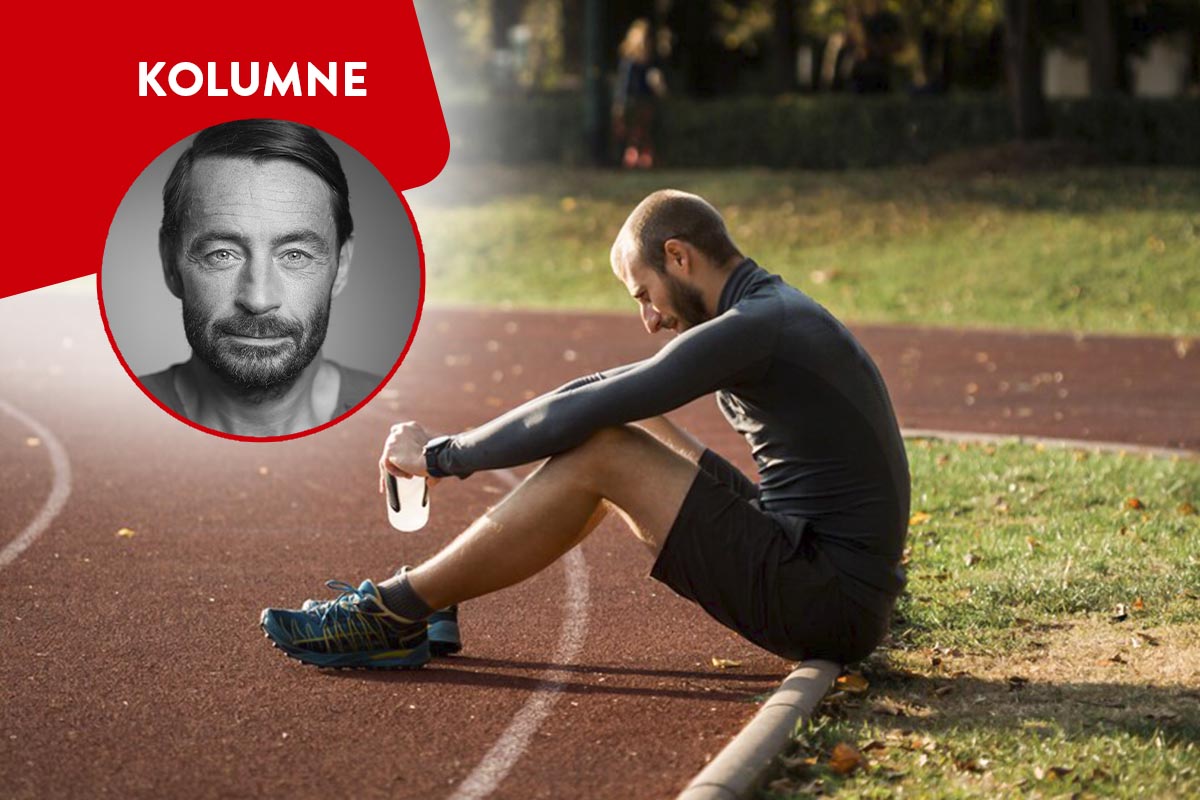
672, 214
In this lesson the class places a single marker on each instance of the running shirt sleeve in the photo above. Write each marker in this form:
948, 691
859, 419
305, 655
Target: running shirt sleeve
733, 347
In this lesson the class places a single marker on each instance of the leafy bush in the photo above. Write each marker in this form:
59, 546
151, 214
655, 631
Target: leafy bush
825, 132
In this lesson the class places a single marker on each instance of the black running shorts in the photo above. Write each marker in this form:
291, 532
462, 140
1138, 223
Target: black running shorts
761, 574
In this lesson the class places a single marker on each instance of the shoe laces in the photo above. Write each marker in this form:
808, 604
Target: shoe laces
343, 625
347, 601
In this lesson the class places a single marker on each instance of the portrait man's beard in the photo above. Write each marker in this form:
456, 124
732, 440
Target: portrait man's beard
261, 371
687, 302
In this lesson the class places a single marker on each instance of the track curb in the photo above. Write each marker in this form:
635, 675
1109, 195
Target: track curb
741, 766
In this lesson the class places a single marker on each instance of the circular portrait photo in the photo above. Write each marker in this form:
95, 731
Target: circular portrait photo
261, 279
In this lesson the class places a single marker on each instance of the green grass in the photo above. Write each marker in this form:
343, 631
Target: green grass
1111, 250
1020, 533
1008, 673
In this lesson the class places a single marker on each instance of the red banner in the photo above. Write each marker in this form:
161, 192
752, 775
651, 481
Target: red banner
85, 116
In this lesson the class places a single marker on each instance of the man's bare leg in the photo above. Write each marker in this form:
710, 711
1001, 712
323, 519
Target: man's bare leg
674, 436
558, 505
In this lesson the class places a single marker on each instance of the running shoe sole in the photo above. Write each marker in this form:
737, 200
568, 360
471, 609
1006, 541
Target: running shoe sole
413, 658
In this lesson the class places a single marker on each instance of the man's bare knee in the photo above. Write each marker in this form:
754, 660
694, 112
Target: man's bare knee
593, 463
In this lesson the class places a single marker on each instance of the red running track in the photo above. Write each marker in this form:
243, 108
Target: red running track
135, 666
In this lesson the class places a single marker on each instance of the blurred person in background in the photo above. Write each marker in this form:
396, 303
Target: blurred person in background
640, 84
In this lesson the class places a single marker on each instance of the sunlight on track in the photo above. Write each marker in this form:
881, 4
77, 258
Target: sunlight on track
513, 742
58, 492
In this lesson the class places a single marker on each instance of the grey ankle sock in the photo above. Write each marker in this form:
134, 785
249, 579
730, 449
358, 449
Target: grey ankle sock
398, 595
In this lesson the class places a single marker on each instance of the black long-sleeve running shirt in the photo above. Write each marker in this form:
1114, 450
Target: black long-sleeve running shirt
792, 380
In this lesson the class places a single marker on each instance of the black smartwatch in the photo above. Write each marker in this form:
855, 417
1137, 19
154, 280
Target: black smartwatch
432, 448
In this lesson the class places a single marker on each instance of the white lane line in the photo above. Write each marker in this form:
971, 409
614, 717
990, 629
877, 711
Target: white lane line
513, 742
58, 492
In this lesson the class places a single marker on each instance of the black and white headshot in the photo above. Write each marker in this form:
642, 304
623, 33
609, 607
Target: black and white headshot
257, 245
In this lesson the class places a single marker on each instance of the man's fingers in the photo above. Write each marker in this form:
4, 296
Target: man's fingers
392, 469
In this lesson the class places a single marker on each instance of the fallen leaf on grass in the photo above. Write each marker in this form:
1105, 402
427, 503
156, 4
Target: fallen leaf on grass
1187, 509
852, 682
1141, 638
126, 533
919, 518
890, 708
790, 788
1053, 773
874, 744
845, 758
798, 763
972, 764
971, 559
1138, 604
725, 663
1134, 504
1162, 714
1032, 543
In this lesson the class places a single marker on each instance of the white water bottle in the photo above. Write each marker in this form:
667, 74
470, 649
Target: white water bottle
407, 503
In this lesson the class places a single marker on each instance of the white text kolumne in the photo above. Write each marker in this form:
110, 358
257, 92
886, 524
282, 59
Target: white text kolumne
245, 79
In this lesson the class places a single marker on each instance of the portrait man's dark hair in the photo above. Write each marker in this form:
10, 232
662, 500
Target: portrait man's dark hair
259, 140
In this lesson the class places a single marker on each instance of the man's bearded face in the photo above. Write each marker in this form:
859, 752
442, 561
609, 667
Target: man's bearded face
255, 353
256, 266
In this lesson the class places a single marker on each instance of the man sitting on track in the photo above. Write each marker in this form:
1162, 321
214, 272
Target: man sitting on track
805, 564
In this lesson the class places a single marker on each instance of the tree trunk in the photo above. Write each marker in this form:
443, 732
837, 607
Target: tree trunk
1104, 52
505, 14
784, 45
571, 23
1023, 50
595, 97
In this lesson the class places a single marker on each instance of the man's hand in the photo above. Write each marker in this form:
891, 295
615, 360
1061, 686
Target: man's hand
404, 453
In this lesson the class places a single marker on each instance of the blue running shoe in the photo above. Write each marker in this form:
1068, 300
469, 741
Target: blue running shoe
444, 639
444, 636
353, 630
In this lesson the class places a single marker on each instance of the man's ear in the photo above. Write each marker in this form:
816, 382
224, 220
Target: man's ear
677, 258
345, 253
169, 267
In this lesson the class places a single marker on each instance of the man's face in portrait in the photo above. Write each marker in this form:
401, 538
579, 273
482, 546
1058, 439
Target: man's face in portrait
256, 265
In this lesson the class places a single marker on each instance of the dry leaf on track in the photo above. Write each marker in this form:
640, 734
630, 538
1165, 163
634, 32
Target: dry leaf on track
126, 533
725, 663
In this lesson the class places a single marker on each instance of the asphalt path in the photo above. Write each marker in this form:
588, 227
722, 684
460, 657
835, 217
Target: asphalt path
134, 665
